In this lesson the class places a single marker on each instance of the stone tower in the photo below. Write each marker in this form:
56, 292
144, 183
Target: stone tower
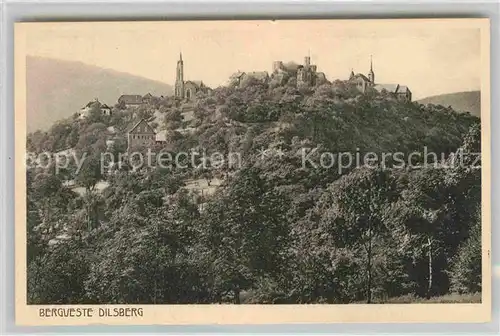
307, 62
179, 78
371, 74
306, 73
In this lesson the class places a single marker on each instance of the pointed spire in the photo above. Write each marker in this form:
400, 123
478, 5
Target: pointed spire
180, 56
371, 74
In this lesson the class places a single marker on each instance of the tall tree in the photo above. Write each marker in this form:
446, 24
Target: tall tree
246, 233
352, 214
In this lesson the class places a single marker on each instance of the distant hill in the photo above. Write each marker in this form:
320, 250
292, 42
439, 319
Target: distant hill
56, 89
469, 101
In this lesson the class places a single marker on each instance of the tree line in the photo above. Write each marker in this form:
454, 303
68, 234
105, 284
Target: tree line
273, 232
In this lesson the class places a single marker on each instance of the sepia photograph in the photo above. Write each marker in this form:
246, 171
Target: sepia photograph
327, 166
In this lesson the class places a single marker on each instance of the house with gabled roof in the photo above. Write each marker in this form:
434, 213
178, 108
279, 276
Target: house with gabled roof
84, 111
402, 92
141, 134
105, 109
130, 100
147, 98
235, 78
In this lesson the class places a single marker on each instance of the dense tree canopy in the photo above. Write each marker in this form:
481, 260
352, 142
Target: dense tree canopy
274, 231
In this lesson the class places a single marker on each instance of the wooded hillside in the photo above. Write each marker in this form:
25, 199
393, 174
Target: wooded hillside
274, 231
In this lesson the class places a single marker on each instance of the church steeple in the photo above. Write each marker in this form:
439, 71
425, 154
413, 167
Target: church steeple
179, 78
371, 74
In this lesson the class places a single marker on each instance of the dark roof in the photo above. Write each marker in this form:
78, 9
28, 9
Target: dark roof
105, 106
148, 95
392, 88
138, 123
236, 75
359, 75
131, 99
92, 102
197, 83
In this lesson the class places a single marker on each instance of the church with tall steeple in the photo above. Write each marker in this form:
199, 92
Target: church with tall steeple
363, 83
179, 78
187, 90
371, 74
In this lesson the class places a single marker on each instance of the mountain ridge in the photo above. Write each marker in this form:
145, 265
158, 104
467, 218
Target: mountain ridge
52, 97
56, 89
465, 101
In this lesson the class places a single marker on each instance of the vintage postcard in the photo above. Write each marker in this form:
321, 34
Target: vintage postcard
252, 172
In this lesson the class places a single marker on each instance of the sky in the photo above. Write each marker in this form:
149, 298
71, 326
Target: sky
430, 56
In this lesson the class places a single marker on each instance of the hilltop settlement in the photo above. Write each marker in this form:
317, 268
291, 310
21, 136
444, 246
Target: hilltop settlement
292, 223
303, 76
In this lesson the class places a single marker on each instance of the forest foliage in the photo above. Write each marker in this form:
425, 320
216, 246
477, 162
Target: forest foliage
273, 232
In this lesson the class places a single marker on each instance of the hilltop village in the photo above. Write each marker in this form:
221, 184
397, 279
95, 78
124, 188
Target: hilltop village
291, 222
185, 93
